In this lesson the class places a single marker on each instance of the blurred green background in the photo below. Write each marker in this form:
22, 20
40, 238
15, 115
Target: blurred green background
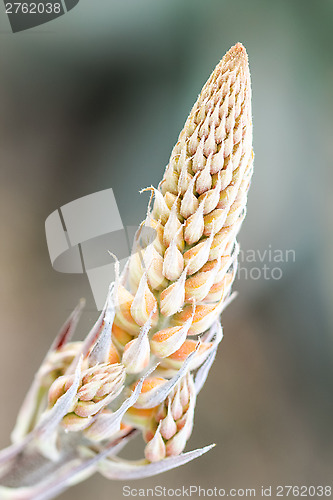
96, 99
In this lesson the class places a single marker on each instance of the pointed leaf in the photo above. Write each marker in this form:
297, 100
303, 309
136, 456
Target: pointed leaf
52, 418
28, 408
101, 348
163, 390
62, 478
202, 373
126, 469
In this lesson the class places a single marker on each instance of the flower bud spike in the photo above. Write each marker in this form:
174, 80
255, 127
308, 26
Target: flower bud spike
172, 288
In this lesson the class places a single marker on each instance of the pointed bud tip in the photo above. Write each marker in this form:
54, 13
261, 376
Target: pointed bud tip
235, 57
237, 51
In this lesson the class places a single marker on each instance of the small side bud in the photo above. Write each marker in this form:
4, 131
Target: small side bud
189, 203
173, 263
144, 303
204, 317
168, 425
73, 423
211, 197
113, 356
153, 262
160, 210
155, 448
120, 337
175, 360
166, 342
172, 227
123, 317
204, 179
56, 390
194, 226
137, 352
172, 298
198, 255
149, 388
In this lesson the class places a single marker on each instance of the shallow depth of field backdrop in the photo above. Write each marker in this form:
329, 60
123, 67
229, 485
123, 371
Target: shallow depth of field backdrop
96, 99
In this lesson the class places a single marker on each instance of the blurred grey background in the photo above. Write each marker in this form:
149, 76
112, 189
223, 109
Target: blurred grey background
96, 99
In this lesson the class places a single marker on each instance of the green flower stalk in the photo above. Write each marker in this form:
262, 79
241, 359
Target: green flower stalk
144, 362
